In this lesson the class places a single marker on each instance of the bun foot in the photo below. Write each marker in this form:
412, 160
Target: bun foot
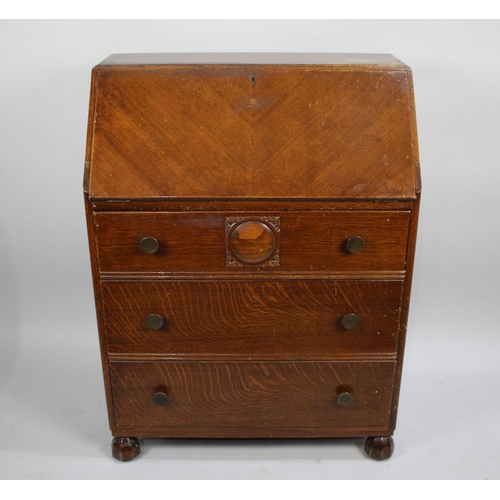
125, 449
379, 448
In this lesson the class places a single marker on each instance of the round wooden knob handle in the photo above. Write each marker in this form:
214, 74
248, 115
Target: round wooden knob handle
344, 399
350, 321
252, 242
149, 245
355, 244
154, 321
161, 399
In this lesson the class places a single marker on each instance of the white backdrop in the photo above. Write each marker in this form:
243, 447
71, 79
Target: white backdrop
52, 398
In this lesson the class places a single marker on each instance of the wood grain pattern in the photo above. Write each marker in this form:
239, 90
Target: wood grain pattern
177, 144
278, 318
253, 394
311, 241
238, 131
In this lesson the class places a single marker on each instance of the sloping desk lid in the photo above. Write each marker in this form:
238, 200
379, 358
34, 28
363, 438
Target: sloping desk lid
238, 126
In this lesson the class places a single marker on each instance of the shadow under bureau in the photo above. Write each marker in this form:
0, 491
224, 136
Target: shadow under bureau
252, 223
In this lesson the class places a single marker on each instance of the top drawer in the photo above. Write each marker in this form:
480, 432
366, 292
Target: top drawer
242, 242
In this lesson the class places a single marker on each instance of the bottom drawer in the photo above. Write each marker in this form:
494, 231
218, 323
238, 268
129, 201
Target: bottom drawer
252, 394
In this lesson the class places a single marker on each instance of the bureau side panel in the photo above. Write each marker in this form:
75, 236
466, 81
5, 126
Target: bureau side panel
99, 309
412, 242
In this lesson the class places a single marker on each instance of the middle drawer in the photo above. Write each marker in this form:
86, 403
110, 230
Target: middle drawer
254, 318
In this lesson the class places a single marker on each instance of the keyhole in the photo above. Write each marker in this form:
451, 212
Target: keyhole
253, 79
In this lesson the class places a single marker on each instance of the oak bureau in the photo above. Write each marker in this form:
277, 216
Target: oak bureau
252, 223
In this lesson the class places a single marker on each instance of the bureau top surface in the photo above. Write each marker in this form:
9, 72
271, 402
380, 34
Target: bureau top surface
251, 126
269, 58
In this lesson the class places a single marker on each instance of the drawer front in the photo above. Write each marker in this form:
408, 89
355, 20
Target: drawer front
303, 241
306, 394
284, 318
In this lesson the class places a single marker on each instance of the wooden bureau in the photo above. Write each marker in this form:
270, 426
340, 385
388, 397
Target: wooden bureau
252, 223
